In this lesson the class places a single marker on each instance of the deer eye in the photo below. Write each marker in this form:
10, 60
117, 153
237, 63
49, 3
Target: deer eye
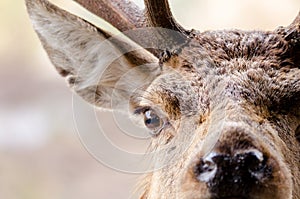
153, 122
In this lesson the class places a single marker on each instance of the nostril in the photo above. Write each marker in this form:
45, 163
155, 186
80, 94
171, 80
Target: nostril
252, 159
206, 169
256, 164
208, 166
255, 154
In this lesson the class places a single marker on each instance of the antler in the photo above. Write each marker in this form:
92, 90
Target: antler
125, 15
122, 14
159, 15
293, 30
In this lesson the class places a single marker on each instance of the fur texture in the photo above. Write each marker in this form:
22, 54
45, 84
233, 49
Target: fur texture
222, 91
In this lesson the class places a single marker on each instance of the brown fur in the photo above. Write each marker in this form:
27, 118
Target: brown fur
254, 98
221, 91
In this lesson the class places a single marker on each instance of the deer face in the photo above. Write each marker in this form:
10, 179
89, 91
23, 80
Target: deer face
241, 118
223, 105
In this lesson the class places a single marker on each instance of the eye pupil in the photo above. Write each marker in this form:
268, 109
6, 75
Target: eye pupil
152, 121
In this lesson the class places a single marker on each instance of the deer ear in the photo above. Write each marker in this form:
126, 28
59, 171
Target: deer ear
94, 65
291, 34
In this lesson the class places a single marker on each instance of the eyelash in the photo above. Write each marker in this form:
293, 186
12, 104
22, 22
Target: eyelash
141, 110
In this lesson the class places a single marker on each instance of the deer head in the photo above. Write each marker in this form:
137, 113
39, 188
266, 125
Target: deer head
226, 103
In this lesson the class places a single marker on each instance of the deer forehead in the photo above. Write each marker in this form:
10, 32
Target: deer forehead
247, 66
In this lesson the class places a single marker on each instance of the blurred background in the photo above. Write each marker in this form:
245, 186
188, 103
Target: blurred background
41, 155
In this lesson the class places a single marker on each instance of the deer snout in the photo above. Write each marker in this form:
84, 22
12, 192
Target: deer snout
233, 175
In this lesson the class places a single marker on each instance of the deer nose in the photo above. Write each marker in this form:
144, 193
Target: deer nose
233, 175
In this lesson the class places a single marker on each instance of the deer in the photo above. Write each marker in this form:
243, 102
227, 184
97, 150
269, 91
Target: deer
224, 105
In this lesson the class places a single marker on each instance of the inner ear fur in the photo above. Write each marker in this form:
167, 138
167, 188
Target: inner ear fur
90, 59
